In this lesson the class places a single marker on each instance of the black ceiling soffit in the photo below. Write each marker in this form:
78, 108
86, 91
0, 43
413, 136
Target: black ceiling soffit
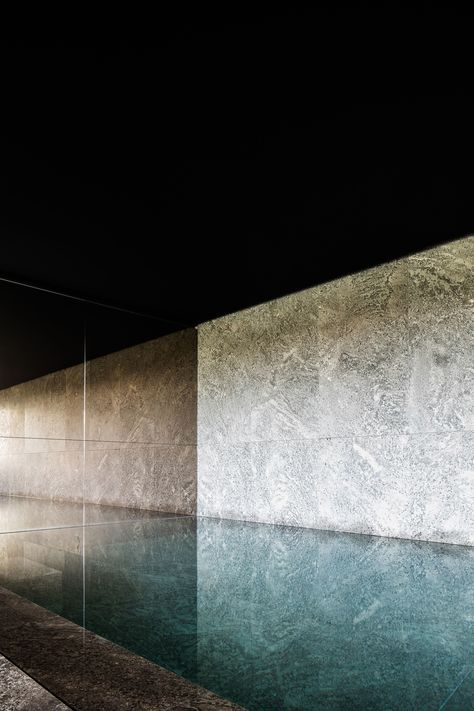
234, 160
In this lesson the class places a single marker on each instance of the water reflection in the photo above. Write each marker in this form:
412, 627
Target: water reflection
313, 619
45, 567
20, 513
272, 617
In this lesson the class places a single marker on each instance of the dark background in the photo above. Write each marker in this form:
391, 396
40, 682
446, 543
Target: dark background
223, 160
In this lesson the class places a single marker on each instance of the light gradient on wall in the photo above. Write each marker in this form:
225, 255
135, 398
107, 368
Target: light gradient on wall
128, 438
141, 425
41, 438
348, 406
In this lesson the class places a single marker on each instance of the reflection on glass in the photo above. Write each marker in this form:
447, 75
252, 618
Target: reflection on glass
149, 572
49, 345
140, 413
20, 513
45, 567
271, 617
41, 404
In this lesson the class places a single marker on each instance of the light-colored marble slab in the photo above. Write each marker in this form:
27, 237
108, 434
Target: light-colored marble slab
384, 351
19, 692
348, 406
405, 486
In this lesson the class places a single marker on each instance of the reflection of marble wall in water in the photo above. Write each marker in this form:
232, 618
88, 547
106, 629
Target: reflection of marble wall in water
348, 406
310, 611
140, 430
142, 573
45, 567
146, 571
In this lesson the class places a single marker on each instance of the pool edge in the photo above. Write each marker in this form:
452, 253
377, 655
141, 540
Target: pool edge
87, 671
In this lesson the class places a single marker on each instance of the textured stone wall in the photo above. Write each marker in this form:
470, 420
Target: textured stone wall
41, 438
349, 406
139, 447
141, 425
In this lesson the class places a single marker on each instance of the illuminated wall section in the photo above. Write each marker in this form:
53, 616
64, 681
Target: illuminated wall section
348, 406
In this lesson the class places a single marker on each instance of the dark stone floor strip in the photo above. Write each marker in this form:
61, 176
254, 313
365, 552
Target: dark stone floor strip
19, 692
88, 672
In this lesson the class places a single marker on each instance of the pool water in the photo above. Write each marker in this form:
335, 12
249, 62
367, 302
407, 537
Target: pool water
268, 616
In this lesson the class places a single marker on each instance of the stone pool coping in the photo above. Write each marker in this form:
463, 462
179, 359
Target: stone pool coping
88, 672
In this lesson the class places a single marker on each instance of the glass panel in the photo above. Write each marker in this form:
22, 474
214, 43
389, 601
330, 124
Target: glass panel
140, 415
41, 409
46, 567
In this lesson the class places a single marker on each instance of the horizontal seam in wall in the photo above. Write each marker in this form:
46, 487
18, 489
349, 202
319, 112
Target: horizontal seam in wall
337, 437
99, 441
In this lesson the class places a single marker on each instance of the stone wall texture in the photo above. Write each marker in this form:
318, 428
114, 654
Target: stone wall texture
121, 431
348, 406
141, 425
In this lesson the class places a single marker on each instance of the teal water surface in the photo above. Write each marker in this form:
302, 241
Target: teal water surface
268, 616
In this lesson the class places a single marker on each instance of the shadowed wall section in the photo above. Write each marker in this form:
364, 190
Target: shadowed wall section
41, 438
141, 425
140, 431
348, 406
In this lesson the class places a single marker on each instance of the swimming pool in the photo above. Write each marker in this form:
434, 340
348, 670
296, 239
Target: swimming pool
270, 617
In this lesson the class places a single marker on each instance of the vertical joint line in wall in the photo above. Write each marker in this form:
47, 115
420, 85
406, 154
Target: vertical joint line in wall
84, 395
197, 424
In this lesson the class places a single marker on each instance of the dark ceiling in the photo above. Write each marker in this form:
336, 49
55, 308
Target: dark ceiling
232, 160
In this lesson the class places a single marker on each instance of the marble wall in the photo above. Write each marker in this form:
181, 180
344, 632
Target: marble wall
121, 431
41, 437
349, 406
141, 425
